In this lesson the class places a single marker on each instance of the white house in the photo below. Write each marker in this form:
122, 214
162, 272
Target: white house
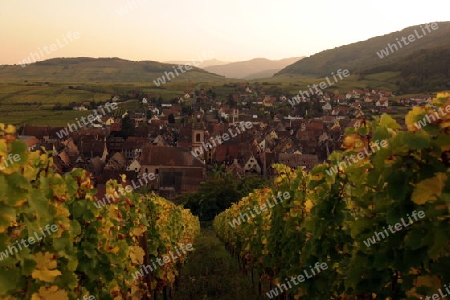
252, 165
382, 102
327, 106
134, 166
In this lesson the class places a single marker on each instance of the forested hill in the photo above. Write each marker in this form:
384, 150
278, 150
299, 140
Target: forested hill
422, 71
367, 54
85, 69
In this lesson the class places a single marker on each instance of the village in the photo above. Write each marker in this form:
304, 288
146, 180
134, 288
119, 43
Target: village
167, 140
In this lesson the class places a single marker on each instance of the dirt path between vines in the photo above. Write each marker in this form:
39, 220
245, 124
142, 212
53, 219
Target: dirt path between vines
212, 273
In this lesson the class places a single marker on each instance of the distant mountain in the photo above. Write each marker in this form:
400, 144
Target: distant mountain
252, 69
86, 69
203, 64
372, 53
262, 74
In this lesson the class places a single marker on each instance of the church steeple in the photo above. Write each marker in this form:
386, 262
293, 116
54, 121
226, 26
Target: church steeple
105, 151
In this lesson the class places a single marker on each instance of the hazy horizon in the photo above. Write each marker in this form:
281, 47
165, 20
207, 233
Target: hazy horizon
177, 30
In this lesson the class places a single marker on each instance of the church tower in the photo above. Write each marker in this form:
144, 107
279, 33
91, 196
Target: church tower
198, 134
198, 137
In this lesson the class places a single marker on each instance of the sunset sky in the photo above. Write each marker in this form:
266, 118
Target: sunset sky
234, 30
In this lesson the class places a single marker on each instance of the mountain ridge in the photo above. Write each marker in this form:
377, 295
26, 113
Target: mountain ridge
203, 64
361, 55
251, 68
103, 69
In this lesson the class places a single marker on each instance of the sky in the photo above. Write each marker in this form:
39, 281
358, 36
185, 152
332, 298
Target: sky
227, 30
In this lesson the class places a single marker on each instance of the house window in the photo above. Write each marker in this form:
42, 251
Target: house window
197, 137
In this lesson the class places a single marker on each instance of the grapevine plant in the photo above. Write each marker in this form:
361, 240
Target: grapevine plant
331, 215
94, 251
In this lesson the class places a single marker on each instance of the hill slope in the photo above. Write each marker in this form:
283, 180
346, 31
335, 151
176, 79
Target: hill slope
361, 55
255, 68
203, 64
85, 69
422, 71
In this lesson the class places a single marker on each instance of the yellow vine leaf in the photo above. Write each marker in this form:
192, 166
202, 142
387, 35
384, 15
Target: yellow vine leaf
138, 231
114, 249
428, 189
136, 254
171, 276
44, 269
317, 176
413, 116
353, 142
428, 281
50, 293
443, 95
308, 205
3, 148
115, 214
123, 177
10, 129
444, 124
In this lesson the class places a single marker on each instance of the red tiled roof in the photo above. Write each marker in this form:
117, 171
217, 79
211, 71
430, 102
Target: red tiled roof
115, 127
41, 131
169, 156
31, 141
305, 135
315, 125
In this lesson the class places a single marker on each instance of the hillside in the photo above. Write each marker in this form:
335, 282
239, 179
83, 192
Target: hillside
422, 71
252, 69
84, 69
361, 55
203, 64
262, 74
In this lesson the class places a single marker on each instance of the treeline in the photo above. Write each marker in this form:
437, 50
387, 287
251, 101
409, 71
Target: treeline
219, 193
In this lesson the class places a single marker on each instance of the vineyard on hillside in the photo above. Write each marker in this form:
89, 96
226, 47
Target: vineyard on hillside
331, 217
74, 248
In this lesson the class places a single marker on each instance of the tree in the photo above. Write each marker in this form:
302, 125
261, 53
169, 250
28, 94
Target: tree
159, 101
215, 170
171, 118
128, 128
216, 195
219, 193
186, 109
231, 101
249, 183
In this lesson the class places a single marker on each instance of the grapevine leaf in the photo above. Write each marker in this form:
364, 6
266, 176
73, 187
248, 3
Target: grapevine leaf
50, 293
8, 279
427, 190
46, 263
388, 122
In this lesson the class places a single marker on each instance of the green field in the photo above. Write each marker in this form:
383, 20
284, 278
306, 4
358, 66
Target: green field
41, 117
22, 103
33, 102
299, 82
81, 70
